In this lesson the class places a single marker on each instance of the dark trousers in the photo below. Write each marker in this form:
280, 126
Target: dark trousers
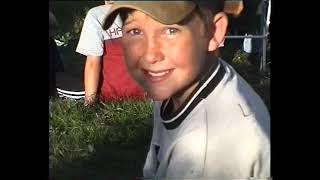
55, 65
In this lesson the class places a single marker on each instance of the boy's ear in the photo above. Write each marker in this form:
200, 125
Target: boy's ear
218, 30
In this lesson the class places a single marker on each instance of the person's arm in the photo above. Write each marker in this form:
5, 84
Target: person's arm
91, 44
91, 78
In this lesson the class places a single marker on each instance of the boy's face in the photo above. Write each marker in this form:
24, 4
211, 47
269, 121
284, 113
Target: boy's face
163, 59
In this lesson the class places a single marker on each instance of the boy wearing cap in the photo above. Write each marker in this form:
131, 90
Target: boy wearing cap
208, 122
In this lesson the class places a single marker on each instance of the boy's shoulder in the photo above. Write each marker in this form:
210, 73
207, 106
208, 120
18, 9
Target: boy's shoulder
236, 99
234, 92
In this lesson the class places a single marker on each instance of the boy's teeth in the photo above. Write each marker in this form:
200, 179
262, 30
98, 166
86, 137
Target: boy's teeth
158, 74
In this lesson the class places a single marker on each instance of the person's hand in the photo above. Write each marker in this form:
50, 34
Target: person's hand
89, 100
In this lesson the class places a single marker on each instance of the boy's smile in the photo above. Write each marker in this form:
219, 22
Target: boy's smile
157, 76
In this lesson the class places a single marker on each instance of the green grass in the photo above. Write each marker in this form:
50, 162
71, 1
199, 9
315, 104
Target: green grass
100, 141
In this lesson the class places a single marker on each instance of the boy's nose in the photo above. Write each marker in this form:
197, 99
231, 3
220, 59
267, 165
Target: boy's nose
153, 52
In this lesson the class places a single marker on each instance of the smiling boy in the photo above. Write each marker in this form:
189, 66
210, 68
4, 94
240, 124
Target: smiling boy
208, 122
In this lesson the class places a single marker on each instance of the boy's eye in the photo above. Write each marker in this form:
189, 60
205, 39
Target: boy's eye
171, 31
134, 32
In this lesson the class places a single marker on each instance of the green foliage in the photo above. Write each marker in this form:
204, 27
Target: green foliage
70, 16
74, 32
75, 130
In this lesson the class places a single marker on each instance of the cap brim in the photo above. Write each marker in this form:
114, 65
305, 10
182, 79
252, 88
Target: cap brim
165, 12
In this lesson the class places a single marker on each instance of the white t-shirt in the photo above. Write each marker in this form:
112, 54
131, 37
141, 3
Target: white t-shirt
92, 36
222, 132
